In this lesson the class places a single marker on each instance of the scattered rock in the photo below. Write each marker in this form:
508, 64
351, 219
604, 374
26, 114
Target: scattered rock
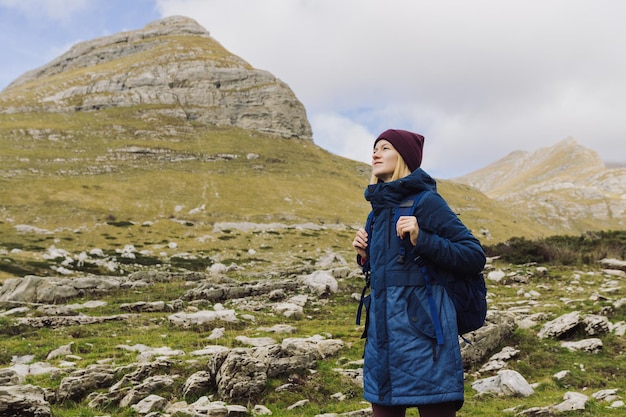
506, 383
23, 400
593, 345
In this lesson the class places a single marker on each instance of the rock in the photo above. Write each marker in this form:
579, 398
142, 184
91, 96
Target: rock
482, 342
23, 400
255, 341
217, 333
298, 404
613, 263
53, 290
321, 283
81, 382
198, 383
61, 351
284, 361
279, 328
261, 410
572, 401
496, 276
608, 395
20, 289
8, 376
151, 307
237, 411
592, 345
289, 310
535, 412
239, 375
210, 350
150, 404
145, 388
37, 368
595, 325
561, 375
54, 321
204, 407
201, 317
506, 383
614, 273
560, 326
318, 345
217, 268
221, 291
16, 310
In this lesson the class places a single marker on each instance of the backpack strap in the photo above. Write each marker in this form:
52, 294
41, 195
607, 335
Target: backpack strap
405, 208
366, 268
431, 300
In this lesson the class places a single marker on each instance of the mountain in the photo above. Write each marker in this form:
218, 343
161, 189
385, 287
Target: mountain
171, 67
562, 187
160, 133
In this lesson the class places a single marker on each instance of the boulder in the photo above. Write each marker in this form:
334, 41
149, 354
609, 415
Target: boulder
23, 400
240, 375
479, 345
506, 383
560, 326
81, 382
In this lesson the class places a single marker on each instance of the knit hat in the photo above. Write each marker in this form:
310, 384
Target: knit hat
408, 144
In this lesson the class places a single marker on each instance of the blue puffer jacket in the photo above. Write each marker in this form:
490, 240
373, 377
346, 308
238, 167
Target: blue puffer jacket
404, 365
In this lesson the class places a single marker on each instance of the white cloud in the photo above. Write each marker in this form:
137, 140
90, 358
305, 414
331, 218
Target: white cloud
342, 136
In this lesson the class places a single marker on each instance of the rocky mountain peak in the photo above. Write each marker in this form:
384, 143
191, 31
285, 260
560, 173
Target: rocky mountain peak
172, 66
565, 184
567, 160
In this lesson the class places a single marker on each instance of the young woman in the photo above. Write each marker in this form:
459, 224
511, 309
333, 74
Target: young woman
406, 365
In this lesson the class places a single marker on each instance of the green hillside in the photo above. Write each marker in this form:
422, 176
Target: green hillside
113, 177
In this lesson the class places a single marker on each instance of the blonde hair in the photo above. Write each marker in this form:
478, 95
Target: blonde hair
400, 171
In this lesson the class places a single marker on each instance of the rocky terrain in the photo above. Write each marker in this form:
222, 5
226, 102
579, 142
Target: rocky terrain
229, 375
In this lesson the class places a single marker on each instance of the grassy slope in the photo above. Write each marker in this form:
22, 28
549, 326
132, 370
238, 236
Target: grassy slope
72, 173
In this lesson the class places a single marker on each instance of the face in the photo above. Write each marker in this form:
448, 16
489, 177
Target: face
384, 160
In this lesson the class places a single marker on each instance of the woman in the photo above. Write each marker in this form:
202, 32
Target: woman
405, 364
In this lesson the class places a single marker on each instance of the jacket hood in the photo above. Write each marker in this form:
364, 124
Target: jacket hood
390, 194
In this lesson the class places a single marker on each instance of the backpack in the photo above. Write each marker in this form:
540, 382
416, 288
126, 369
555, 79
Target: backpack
468, 293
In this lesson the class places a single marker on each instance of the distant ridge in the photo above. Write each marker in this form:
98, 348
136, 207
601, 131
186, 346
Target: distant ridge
565, 185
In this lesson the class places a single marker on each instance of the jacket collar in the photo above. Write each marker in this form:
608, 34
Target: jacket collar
390, 194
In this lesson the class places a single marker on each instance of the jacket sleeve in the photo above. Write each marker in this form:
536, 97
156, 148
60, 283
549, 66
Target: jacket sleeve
444, 240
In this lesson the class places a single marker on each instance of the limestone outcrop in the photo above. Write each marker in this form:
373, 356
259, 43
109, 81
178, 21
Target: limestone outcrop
173, 68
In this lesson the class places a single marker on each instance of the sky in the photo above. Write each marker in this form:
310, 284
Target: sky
479, 79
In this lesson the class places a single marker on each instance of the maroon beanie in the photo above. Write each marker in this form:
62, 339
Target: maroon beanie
408, 144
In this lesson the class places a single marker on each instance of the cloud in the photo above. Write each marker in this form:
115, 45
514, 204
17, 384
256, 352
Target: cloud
342, 136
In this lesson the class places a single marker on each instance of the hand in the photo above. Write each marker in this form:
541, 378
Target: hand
407, 225
360, 243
